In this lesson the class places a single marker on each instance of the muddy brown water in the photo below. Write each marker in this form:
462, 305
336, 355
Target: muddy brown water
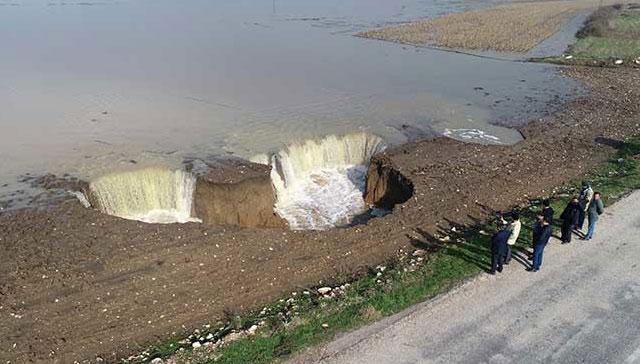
94, 86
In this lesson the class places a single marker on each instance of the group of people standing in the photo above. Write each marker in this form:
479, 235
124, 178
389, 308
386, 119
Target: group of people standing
587, 205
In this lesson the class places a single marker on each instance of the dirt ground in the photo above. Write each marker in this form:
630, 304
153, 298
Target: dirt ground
77, 284
516, 27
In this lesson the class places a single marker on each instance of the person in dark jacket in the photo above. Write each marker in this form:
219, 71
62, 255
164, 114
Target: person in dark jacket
499, 247
570, 219
596, 208
539, 244
547, 211
537, 229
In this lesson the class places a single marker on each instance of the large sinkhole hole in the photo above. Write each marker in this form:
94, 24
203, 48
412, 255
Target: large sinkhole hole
320, 184
153, 195
313, 185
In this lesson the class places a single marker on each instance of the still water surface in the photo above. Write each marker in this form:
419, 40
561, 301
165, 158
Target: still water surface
91, 86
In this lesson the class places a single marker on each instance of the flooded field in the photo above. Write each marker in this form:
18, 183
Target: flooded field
96, 86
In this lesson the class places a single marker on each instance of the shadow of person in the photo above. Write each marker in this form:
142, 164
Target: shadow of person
521, 256
456, 242
613, 143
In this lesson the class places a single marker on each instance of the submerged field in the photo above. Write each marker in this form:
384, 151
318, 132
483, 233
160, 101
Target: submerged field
517, 27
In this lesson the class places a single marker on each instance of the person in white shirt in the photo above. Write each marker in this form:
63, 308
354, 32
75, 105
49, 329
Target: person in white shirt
514, 228
586, 195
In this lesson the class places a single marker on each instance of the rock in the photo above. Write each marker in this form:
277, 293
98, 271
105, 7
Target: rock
196, 345
618, 62
324, 290
157, 361
252, 330
637, 60
419, 253
233, 337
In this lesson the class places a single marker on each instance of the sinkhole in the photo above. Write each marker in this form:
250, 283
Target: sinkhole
313, 185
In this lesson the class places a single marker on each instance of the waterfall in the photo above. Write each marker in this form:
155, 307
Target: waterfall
154, 195
320, 183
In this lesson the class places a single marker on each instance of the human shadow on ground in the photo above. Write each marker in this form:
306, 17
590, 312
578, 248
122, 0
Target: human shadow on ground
467, 242
613, 143
470, 242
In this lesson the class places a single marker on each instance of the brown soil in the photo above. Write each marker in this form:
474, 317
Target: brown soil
76, 284
515, 27
235, 192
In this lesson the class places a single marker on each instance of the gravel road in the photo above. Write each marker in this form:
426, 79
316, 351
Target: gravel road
582, 307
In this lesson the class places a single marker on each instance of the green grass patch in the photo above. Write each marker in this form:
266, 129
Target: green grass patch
606, 48
609, 34
626, 23
306, 320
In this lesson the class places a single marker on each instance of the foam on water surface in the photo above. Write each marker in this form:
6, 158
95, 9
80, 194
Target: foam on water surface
476, 135
320, 184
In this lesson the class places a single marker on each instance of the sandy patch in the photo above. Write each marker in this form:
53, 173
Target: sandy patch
515, 27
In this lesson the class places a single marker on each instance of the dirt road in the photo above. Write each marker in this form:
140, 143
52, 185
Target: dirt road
582, 307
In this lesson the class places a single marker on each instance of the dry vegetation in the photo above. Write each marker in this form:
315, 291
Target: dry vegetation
514, 27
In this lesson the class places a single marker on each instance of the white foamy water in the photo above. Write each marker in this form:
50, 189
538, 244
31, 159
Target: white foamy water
153, 195
320, 184
476, 135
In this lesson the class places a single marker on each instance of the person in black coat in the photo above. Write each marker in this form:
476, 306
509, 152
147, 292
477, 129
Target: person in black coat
536, 230
570, 219
539, 244
499, 247
547, 211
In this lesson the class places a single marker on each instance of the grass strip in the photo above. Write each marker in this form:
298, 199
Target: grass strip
611, 34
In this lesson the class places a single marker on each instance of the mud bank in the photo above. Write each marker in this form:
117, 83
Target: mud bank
78, 284
236, 193
386, 186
